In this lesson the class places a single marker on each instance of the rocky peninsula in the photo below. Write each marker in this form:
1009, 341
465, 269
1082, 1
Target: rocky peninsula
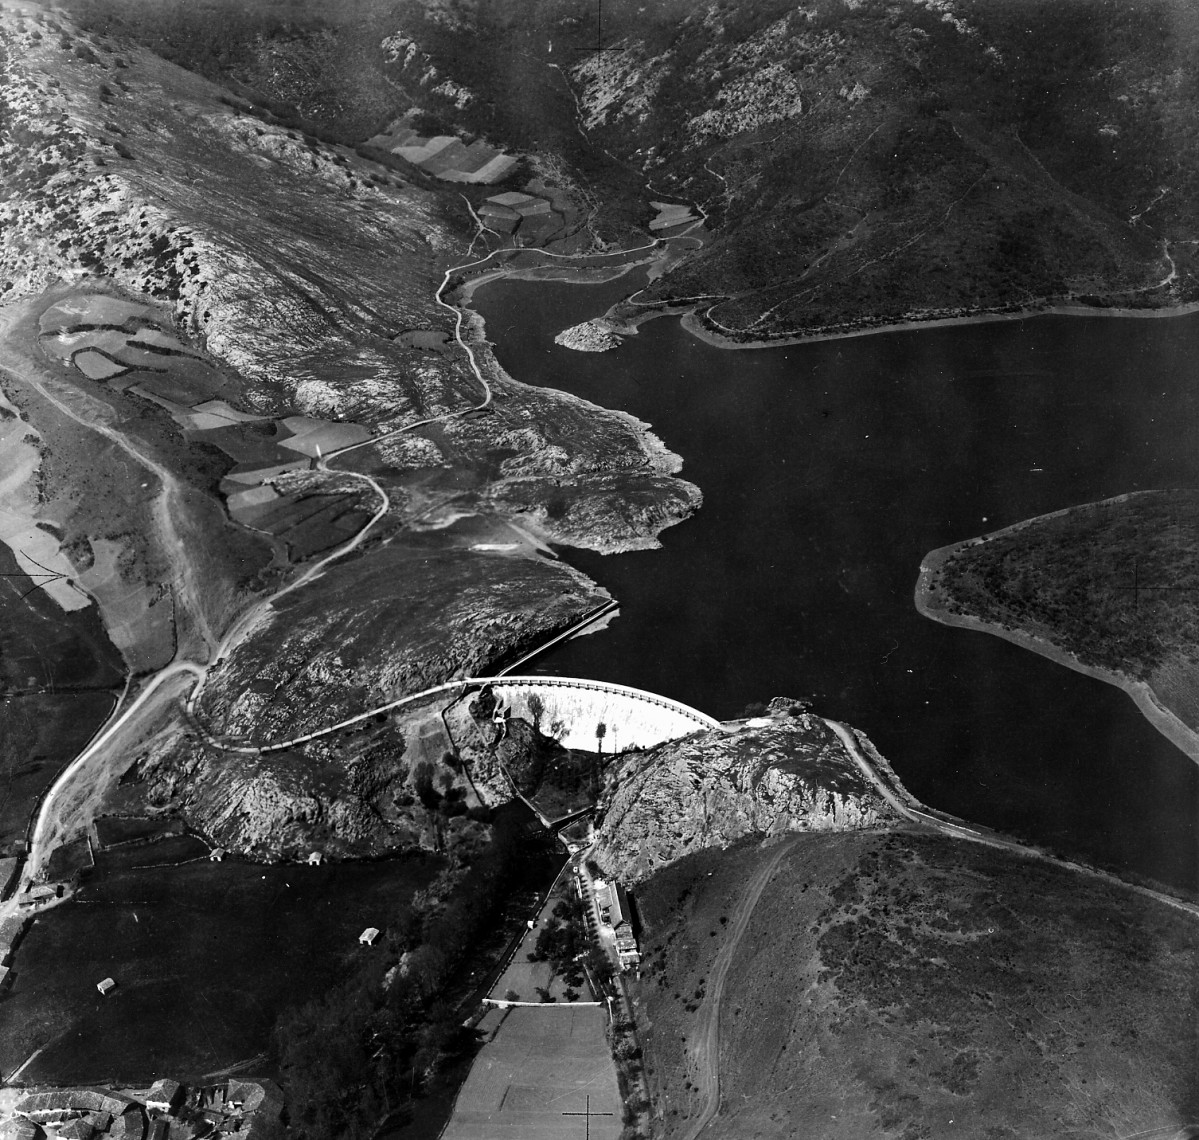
590, 336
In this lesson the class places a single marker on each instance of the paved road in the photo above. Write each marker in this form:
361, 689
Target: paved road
912, 810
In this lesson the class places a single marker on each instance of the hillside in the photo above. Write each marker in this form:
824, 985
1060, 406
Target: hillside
770, 776
222, 295
861, 162
909, 986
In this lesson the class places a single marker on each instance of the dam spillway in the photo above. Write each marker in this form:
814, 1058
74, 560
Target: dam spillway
597, 715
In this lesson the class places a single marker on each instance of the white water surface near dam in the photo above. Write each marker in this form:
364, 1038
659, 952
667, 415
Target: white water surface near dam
828, 471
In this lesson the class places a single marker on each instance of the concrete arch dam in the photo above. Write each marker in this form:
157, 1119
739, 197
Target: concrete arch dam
596, 715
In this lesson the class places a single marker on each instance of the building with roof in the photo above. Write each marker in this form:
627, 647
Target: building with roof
130, 1125
19, 1129
106, 986
369, 936
52, 1105
165, 1095
80, 1128
616, 913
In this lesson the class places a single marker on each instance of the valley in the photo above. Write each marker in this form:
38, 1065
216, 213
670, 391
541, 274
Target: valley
362, 571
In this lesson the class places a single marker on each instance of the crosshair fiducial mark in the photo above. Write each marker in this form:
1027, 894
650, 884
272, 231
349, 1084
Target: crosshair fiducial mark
1137, 587
599, 31
587, 1114
38, 580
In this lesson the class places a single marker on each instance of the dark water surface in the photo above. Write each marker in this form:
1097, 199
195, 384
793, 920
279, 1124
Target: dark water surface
828, 471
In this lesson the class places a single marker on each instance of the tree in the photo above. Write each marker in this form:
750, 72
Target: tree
601, 730
536, 709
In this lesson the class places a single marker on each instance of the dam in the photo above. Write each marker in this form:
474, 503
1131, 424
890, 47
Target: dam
596, 715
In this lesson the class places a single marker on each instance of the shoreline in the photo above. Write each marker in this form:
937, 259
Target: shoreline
928, 605
915, 323
657, 456
629, 325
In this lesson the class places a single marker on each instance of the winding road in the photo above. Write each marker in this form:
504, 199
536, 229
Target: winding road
915, 812
50, 824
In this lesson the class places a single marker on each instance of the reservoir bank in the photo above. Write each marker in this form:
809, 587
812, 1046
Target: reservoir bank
828, 471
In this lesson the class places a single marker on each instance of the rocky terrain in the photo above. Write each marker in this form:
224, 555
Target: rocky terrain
860, 162
590, 336
305, 276
767, 777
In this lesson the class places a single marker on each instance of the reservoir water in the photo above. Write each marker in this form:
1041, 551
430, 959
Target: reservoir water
828, 471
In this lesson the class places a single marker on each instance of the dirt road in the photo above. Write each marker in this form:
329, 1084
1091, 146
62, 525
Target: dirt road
705, 1058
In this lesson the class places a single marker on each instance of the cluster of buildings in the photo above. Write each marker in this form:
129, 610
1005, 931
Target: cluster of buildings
506, 213
233, 1110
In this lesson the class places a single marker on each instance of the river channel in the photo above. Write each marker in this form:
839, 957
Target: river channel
828, 471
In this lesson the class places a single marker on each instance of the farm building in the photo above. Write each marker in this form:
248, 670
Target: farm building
615, 912
18, 1129
369, 936
165, 1095
106, 986
130, 1125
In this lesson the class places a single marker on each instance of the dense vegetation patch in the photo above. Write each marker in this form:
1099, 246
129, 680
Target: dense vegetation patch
1116, 584
366, 1050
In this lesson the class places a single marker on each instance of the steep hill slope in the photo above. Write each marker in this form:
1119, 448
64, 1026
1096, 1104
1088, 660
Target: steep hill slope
260, 284
861, 161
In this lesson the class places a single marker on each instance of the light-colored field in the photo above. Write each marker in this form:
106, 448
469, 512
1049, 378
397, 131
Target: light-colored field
535, 1080
36, 550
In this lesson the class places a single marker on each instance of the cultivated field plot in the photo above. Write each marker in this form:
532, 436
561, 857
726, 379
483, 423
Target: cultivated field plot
538, 1079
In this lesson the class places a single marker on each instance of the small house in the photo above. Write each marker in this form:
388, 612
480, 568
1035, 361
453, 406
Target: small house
216, 854
106, 987
165, 1095
315, 858
19, 1129
369, 936
78, 1129
130, 1125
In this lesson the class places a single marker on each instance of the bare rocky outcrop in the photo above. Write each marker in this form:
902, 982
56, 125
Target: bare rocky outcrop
766, 776
591, 336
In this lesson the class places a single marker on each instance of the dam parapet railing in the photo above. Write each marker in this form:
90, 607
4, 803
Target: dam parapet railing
635, 718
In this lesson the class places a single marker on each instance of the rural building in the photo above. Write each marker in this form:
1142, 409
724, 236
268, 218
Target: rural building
130, 1125
504, 213
165, 1095
61, 1104
39, 893
106, 986
314, 858
615, 912
78, 1129
18, 1129
369, 936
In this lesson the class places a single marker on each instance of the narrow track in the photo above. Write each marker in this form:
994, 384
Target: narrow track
48, 822
706, 1055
